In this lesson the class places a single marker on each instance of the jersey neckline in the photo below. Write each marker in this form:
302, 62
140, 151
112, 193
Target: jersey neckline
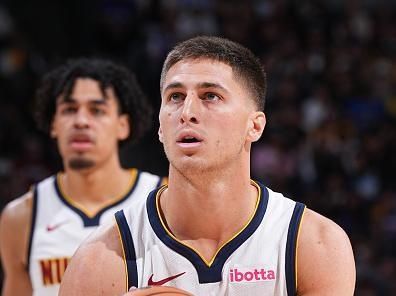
208, 272
92, 219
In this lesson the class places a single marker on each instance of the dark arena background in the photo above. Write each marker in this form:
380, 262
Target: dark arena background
330, 141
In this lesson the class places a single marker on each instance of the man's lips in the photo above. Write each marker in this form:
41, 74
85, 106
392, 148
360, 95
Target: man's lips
81, 142
81, 145
189, 139
189, 145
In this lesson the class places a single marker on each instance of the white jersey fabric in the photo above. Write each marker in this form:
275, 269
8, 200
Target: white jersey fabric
258, 260
59, 226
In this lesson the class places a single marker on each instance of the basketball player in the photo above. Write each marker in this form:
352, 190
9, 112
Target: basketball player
89, 106
212, 230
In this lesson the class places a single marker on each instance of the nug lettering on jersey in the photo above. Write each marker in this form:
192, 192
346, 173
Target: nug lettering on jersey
52, 270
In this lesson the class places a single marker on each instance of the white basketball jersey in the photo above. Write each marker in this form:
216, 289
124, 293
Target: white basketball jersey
257, 260
59, 226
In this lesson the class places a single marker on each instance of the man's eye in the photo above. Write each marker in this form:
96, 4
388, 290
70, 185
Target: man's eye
97, 111
68, 110
211, 97
176, 97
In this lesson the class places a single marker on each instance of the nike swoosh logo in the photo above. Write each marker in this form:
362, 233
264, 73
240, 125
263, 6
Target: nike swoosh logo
163, 281
55, 226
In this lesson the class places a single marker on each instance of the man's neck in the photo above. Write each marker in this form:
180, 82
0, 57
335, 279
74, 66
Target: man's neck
95, 187
206, 214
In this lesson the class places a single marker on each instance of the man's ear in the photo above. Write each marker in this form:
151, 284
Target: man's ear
257, 125
124, 128
52, 132
160, 135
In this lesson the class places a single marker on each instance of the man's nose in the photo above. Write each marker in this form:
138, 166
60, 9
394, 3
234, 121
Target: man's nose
191, 109
81, 119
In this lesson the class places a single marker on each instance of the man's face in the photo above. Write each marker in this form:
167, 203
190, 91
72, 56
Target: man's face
88, 125
207, 118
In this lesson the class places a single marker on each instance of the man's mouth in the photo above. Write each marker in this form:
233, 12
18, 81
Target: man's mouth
81, 142
189, 139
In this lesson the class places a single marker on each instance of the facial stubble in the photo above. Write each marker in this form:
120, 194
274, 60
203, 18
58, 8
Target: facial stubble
81, 163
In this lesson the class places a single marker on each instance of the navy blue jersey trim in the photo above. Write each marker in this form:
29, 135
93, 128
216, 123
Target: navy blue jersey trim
94, 221
291, 245
213, 273
32, 226
129, 249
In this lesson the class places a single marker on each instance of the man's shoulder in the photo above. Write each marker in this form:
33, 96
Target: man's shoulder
19, 209
16, 217
14, 228
105, 244
325, 259
104, 241
320, 227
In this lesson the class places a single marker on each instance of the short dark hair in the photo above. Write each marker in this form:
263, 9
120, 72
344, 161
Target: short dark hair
242, 61
60, 81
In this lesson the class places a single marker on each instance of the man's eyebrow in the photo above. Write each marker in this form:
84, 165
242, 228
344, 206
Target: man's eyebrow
211, 85
200, 85
101, 101
173, 85
71, 100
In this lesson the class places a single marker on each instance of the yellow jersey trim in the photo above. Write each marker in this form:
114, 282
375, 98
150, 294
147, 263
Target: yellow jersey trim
164, 181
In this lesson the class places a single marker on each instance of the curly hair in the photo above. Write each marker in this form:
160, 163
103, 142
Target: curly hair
245, 65
60, 81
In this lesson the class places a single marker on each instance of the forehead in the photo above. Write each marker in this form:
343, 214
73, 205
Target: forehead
87, 90
198, 71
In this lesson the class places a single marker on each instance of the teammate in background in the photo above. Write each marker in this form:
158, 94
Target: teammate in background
212, 230
89, 106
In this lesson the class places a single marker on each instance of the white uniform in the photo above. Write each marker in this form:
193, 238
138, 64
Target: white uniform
59, 226
258, 260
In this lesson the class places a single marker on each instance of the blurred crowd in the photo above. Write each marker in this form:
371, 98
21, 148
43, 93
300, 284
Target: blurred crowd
330, 139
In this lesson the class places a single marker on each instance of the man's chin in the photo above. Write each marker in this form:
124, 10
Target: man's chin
81, 163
